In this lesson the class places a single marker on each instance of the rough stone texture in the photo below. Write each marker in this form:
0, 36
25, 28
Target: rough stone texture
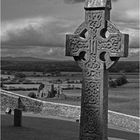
31, 105
95, 53
121, 120
17, 117
124, 121
127, 122
98, 3
9, 101
61, 110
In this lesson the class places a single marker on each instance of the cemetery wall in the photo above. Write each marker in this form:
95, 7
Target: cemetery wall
31, 105
61, 110
130, 123
127, 122
9, 99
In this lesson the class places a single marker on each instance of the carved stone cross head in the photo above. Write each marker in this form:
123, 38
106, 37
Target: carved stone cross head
97, 37
96, 45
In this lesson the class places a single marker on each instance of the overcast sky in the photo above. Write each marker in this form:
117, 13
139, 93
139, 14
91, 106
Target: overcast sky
37, 28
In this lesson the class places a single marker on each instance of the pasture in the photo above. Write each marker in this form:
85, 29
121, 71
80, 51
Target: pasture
124, 99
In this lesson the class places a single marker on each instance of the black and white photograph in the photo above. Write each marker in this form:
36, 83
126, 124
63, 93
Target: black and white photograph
70, 70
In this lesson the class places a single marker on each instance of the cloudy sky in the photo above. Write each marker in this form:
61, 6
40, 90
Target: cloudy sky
37, 28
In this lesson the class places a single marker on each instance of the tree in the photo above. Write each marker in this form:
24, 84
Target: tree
20, 75
32, 95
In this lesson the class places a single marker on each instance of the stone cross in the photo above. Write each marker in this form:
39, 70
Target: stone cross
96, 45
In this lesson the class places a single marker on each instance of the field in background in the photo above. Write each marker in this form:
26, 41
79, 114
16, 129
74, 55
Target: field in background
124, 99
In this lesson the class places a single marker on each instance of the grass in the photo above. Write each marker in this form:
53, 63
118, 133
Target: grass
39, 129
34, 128
124, 99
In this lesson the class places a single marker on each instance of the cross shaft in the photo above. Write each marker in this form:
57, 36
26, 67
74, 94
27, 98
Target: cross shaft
95, 53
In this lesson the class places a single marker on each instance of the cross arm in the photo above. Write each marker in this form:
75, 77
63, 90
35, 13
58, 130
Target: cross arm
75, 44
116, 44
123, 52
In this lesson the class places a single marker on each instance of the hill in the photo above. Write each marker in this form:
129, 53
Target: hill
21, 59
42, 65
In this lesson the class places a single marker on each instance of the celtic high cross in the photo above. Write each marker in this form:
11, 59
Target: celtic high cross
96, 45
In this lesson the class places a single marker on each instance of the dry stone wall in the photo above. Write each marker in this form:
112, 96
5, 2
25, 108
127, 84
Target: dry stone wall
9, 99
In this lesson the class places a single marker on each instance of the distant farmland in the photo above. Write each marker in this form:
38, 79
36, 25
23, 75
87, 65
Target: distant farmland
53, 66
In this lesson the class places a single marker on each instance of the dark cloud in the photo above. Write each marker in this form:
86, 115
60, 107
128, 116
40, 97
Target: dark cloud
35, 37
35, 51
45, 38
47, 33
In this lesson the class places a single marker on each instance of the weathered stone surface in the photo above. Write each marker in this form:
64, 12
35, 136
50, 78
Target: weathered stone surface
9, 99
95, 52
98, 3
31, 105
126, 122
17, 117
61, 110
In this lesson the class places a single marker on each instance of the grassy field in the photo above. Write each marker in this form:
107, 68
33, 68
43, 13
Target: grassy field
120, 99
124, 99
34, 128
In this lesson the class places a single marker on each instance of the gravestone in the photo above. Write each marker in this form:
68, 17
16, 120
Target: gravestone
18, 114
17, 117
96, 45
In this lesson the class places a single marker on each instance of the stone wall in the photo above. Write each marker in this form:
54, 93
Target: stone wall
9, 99
127, 122
61, 110
130, 123
31, 105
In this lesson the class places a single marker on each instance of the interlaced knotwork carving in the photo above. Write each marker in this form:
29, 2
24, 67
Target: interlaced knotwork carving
111, 28
91, 118
94, 137
95, 74
92, 90
93, 21
77, 44
93, 57
112, 45
80, 29
95, 53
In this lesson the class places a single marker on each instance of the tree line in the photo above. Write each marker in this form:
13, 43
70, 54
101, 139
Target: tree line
58, 66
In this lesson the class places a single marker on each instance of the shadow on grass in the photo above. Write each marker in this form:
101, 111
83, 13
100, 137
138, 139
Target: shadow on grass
123, 134
34, 128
